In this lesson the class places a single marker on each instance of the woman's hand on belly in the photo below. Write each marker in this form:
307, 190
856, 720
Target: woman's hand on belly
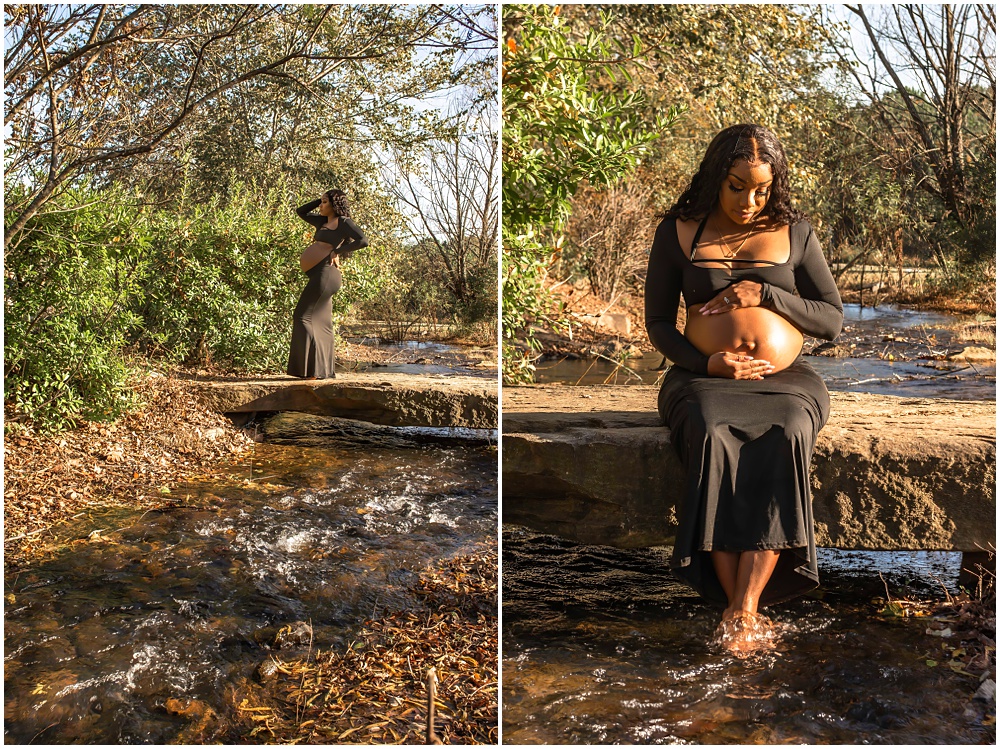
740, 294
738, 366
751, 331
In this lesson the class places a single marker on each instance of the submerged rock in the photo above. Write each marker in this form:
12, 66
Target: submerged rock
267, 670
199, 713
987, 691
294, 635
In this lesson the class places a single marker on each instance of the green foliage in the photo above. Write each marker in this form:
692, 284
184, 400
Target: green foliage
978, 240
723, 64
560, 131
480, 303
525, 265
99, 277
222, 282
411, 294
67, 289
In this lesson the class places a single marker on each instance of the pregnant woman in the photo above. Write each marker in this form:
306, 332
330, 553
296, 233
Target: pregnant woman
743, 406
312, 353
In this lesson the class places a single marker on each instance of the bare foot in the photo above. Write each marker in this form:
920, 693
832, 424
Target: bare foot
743, 633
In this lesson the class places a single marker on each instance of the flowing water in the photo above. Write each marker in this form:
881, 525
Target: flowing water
603, 646
909, 333
428, 358
185, 602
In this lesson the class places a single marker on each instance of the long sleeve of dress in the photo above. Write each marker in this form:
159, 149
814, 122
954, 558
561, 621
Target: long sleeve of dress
817, 309
306, 213
663, 294
355, 239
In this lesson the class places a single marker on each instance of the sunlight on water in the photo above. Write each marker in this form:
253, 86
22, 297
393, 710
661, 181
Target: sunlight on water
603, 645
185, 602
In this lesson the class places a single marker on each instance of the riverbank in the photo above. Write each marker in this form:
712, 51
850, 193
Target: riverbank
377, 690
131, 462
926, 289
136, 461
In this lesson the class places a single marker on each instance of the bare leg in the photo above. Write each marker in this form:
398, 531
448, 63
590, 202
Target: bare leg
754, 571
742, 630
726, 565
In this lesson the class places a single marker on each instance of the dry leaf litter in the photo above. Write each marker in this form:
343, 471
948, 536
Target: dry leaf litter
133, 462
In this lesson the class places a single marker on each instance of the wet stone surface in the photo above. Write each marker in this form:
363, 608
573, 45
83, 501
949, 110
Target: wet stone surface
143, 627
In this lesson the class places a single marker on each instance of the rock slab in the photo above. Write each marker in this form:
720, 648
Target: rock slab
594, 465
389, 399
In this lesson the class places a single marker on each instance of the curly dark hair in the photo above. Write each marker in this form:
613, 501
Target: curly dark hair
754, 143
338, 199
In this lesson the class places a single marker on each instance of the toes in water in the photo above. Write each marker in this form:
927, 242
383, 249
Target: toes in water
742, 633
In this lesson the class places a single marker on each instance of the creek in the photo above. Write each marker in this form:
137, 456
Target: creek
911, 337
427, 358
604, 645
185, 602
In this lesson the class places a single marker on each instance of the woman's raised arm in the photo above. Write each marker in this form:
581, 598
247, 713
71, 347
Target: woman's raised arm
306, 213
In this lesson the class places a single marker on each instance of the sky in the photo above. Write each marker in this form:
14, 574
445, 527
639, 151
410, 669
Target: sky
862, 45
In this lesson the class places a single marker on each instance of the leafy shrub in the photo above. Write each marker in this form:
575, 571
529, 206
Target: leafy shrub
223, 282
68, 284
99, 278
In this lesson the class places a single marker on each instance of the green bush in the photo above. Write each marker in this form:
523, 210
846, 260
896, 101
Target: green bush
68, 285
223, 282
101, 279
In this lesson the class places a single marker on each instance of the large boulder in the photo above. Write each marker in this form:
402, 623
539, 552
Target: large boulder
593, 464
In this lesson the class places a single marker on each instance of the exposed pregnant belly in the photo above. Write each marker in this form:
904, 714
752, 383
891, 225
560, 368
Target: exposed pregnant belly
748, 330
314, 253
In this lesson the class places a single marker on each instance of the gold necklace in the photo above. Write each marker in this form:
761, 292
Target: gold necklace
727, 251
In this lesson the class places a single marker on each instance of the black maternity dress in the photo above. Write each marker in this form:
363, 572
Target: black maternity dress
312, 352
746, 445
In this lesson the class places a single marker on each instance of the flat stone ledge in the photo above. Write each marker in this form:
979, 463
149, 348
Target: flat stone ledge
387, 398
594, 465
